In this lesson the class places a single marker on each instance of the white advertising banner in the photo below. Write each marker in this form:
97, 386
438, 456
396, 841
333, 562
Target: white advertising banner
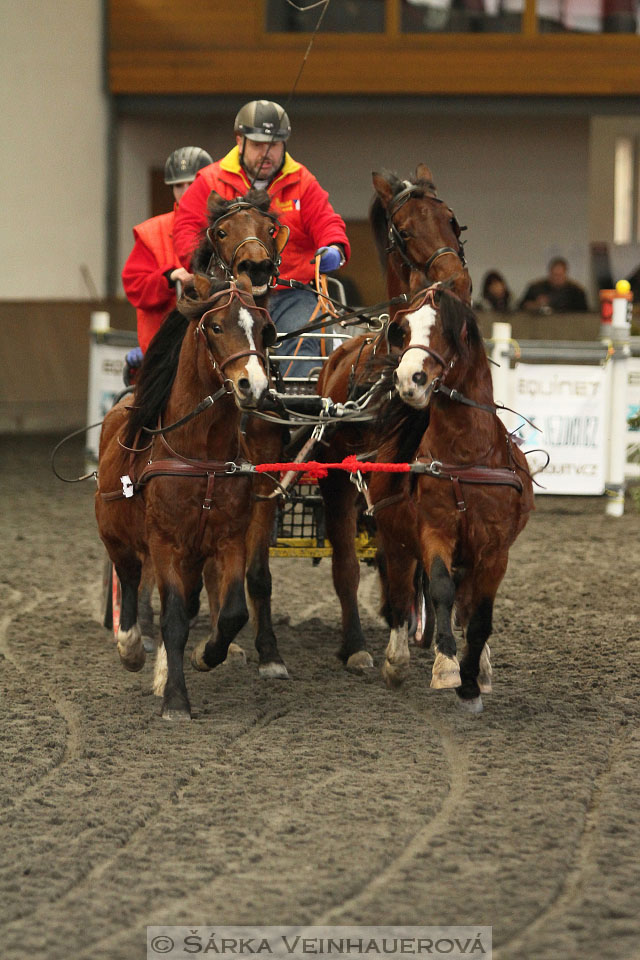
633, 408
106, 364
569, 405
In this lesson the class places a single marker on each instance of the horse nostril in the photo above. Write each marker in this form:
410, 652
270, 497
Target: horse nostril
244, 386
395, 378
419, 378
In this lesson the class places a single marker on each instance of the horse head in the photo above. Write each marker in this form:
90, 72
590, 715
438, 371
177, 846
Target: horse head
417, 234
440, 341
235, 334
243, 238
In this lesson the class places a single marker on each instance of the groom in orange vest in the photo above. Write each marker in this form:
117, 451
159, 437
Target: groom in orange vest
152, 269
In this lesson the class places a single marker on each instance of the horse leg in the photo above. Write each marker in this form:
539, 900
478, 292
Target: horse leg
475, 665
398, 579
129, 639
446, 669
145, 609
259, 586
227, 568
176, 582
339, 496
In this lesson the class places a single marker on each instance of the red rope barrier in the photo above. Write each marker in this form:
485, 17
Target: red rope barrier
314, 468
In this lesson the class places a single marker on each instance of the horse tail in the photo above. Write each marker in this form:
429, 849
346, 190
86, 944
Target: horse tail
156, 375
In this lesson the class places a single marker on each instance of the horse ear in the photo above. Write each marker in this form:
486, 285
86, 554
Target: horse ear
423, 174
382, 187
395, 335
269, 333
243, 281
281, 238
213, 201
202, 285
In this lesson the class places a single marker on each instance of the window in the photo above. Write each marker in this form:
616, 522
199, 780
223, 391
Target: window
461, 16
343, 16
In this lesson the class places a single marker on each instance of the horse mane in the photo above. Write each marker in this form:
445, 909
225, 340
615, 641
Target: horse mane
378, 213
459, 324
158, 370
216, 208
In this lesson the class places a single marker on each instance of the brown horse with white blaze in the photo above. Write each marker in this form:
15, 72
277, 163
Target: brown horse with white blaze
470, 498
176, 499
418, 240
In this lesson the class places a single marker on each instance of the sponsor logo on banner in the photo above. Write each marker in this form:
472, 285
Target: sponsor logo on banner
568, 405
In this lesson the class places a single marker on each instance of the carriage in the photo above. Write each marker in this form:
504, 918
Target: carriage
226, 535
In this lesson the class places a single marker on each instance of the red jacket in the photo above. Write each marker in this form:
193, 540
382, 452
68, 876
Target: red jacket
144, 275
297, 199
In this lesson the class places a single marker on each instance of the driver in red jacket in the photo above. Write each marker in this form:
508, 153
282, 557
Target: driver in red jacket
260, 159
152, 269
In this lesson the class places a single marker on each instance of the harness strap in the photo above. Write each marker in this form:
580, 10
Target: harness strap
206, 506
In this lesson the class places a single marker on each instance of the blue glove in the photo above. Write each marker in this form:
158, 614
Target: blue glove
134, 357
331, 258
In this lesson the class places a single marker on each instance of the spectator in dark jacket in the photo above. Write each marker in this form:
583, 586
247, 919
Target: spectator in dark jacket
556, 293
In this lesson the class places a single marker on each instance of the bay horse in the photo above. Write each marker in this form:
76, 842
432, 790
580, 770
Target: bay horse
468, 501
177, 501
418, 241
243, 238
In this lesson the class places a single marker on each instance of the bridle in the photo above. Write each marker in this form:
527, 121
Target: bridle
273, 256
231, 294
396, 243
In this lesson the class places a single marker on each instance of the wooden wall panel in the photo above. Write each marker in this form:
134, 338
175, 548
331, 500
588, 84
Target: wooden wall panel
174, 24
553, 65
44, 358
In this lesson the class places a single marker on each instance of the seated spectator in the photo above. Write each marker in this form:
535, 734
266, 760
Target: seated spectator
496, 295
556, 293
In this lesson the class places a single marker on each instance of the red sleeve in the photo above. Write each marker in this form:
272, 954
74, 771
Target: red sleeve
320, 220
144, 282
190, 220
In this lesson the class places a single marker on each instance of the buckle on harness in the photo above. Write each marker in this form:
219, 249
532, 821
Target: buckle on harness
435, 467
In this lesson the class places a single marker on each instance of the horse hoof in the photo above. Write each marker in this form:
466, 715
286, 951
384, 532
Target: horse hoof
273, 671
174, 714
394, 674
235, 654
197, 660
485, 671
359, 662
474, 705
131, 649
446, 673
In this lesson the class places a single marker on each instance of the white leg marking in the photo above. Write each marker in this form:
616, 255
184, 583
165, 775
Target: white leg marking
161, 671
396, 665
130, 648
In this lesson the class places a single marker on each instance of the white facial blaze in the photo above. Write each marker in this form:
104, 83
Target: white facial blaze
420, 324
255, 373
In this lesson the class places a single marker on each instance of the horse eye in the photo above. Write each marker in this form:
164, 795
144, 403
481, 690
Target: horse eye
216, 328
221, 234
404, 234
272, 231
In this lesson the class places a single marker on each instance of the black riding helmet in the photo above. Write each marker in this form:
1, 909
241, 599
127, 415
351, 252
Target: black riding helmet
263, 120
183, 164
